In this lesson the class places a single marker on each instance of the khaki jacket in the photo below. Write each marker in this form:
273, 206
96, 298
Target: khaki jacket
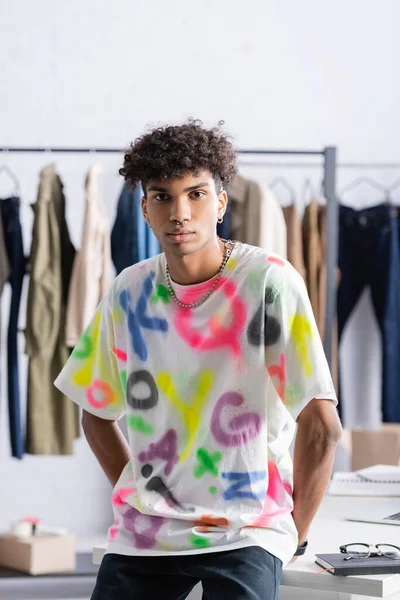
52, 419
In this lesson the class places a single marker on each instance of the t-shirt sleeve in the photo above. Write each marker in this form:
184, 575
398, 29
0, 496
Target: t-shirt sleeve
91, 377
295, 357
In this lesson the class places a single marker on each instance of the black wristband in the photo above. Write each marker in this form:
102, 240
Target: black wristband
301, 549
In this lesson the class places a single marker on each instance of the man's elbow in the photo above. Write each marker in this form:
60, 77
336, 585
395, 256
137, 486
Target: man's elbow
320, 423
332, 432
323, 438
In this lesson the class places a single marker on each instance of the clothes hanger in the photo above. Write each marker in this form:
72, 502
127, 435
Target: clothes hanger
284, 183
6, 169
372, 183
308, 192
368, 181
321, 196
394, 186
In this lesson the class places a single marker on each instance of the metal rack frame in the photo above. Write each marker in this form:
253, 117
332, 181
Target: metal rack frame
329, 165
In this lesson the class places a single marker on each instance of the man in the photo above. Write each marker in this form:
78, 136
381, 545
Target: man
212, 352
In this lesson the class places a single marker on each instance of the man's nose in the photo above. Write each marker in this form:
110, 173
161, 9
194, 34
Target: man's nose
180, 211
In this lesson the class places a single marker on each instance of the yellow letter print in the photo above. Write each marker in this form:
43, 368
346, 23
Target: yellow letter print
191, 413
301, 331
83, 376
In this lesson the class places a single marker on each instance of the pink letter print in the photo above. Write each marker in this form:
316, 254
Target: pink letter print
245, 426
220, 335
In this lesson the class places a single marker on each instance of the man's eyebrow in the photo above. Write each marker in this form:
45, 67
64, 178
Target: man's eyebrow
196, 187
156, 188
192, 188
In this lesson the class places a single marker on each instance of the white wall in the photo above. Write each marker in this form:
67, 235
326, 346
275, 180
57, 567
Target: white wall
281, 73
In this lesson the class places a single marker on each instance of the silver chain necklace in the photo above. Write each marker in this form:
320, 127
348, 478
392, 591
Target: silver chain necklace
229, 246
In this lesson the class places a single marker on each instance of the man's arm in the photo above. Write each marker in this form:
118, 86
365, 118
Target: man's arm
107, 443
319, 431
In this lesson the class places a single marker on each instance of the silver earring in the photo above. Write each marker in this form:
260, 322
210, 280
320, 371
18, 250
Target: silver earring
148, 225
220, 220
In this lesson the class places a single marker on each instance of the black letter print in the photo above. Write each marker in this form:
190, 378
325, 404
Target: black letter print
141, 403
156, 484
263, 328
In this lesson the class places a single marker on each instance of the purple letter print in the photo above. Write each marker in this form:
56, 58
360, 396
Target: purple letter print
166, 449
245, 426
145, 539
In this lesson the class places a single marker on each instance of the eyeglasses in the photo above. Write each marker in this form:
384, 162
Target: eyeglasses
364, 551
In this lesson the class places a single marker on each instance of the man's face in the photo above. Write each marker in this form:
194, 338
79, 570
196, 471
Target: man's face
183, 213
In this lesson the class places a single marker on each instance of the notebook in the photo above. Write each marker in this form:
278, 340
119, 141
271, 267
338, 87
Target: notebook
359, 484
381, 473
375, 565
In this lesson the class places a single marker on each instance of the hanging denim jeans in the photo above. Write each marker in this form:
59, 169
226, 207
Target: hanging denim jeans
131, 239
9, 208
124, 235
391, 328
369, 256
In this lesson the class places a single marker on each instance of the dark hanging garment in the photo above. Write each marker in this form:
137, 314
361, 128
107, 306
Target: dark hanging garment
4, 264
12, 240
131, 239
369, 256
52, 419
391, 329
124, 238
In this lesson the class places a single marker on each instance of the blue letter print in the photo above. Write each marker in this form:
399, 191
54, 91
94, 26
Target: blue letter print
138, 319
243, 480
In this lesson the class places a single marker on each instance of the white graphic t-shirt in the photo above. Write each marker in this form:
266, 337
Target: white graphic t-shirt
210, 396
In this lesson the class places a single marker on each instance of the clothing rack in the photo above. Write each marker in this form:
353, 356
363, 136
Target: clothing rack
329, 165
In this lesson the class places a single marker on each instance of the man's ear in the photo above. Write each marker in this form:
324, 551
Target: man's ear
144, 210
222, 203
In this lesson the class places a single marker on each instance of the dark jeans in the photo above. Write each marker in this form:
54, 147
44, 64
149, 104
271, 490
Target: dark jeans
369, 256
131, 239
13, 240
124, 234
245, 574
391, 332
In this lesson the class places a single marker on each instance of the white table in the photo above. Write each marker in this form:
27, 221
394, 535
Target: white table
328, 532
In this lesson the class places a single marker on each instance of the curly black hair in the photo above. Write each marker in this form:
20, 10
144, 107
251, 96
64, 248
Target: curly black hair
173, 151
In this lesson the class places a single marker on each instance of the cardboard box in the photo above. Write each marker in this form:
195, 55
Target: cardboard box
38, 554
381, 447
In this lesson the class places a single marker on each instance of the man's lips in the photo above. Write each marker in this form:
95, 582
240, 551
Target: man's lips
181, 236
